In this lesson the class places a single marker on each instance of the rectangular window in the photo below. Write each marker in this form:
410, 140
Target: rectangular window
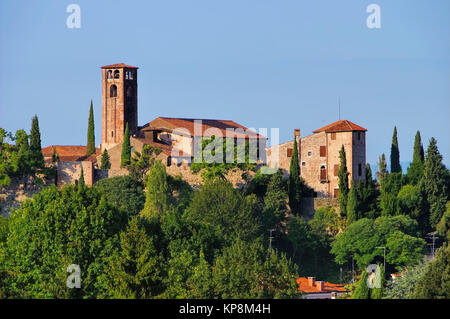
359, 169
309, 153
303, 163
289, 152
323, 151
333, 136
336, 169
359, 136
336, 193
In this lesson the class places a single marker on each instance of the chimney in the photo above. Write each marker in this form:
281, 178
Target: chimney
319, 285
297, 132
311, 281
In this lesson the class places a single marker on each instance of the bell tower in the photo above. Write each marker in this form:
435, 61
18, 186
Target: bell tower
119, 103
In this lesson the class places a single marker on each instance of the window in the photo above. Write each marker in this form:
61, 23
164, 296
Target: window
309, 153
323, 173
303, 163
112, 133
113, 91
359, 169
336, 193
169, 161
116, 74
109, 76
333, 136
289, 152
359, 136
323, 151
336, 169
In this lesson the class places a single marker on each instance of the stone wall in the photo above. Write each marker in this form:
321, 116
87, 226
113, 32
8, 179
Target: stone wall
70, 172
309, 205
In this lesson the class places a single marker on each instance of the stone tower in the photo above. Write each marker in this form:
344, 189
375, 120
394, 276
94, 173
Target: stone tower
119, 103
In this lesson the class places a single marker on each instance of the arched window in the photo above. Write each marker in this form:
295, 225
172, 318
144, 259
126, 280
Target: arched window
116, 74
109, 74
113, 91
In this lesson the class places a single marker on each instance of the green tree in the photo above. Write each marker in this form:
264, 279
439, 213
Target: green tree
390, 185
295, 183
300, 237
415, 169
57, 228
201, 282
443, 227
343, 182
126, 148
395, 154
105, 160
367, 194
409, 201
435, 283
134, 270
362, 289
90, 149
21, 157
158, 197
55, 156
124, 192
225, 209
142, 162
352, 205
36, 156
275, 202
81, 183
434, 183
382, 168
403, 286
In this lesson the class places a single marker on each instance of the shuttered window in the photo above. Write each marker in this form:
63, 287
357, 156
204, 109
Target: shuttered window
289, 152
336, 193
333, 136
336, 169
323, 151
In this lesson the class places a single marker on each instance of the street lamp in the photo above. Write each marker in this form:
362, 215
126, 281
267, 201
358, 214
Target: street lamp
384, 257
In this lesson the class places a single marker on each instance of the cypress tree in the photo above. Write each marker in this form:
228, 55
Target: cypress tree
434, 183
395, 154
352, 205
382, 168
36, 156
55, 156
295, 183
158, 198
343, 182
415, 170
105, 164
90, 149
362, 290
81, 183
126, 148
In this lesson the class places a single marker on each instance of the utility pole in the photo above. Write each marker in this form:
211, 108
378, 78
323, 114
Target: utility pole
270, 240
384, 257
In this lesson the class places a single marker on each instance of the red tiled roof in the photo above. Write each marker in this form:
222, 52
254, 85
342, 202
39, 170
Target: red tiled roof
303, 285
119, 65
70, 153
166, 149
340, 126
175, 124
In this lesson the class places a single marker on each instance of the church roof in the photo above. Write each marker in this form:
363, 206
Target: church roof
69, 153
119, 65
180, 124
340, 126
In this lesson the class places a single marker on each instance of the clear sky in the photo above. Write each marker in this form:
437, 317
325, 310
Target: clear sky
258, 62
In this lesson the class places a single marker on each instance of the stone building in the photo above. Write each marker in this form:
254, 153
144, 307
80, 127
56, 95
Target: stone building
319, 156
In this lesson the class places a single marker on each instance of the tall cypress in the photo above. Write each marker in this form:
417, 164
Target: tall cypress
105, 160
434, 183
81, 183
36, 156
382, 168
362, 290
90, 149
352, 205
395, 154
415, 170
126, 148
294, 183
343, 182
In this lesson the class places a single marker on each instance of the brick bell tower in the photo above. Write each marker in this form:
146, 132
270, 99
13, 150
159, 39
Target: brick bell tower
119, 103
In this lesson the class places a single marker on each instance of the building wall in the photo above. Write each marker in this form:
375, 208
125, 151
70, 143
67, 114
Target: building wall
70, 173
311, 162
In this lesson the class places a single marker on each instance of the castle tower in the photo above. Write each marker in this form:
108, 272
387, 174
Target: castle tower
119, 103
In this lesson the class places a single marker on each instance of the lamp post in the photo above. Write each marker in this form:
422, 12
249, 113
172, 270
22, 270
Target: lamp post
384, 257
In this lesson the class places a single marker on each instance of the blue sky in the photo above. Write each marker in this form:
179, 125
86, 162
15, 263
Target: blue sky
260, 63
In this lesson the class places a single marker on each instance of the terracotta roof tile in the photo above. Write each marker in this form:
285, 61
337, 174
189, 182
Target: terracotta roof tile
303, 285
70, 153
175, 124
340, 126
118, 65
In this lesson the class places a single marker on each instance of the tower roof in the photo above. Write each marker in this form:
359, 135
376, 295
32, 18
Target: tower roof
119, 65
340, 126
